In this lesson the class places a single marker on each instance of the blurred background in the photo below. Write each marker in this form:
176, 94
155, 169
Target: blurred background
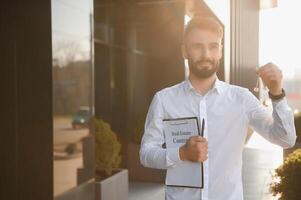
78, 77
114, 55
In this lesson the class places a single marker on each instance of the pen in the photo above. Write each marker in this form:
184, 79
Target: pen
203, 127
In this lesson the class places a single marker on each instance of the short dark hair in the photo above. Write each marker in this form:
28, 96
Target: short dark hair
203, 23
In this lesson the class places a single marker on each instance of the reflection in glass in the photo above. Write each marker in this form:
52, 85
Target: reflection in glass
72, 94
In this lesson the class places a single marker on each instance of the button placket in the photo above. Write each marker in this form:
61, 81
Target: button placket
203, 115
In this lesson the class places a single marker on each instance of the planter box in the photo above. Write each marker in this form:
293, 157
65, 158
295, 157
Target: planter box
139, 173
115, 187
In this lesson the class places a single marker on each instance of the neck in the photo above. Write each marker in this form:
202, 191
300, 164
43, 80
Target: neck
202, 86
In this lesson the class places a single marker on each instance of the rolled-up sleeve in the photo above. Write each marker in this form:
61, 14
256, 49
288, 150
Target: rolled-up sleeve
277, 126
152, 154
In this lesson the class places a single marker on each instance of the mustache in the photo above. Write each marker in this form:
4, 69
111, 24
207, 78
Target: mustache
204, 61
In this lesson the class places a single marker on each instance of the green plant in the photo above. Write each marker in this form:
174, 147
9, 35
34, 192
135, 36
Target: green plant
107, 149
71, 148
287, 180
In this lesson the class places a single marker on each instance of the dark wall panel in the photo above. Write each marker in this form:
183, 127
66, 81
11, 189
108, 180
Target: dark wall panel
26, 98
103, 106
8, 131
137, 52
244, 42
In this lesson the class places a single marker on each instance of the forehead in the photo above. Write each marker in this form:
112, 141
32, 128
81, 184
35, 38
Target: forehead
196, 36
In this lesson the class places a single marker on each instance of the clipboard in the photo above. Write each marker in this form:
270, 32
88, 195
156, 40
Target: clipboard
176, 132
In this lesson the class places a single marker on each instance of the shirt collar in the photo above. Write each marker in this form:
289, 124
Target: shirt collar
218, 86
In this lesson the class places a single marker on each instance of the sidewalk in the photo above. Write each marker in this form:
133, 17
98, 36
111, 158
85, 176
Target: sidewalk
146, 191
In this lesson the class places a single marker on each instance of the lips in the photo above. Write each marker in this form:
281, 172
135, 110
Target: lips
204, 64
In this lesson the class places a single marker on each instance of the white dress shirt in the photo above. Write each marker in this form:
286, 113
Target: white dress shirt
228, 111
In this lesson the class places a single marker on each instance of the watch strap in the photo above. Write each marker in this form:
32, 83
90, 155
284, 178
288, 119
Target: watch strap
277, 97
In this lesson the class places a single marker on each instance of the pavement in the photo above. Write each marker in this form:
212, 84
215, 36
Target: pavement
65, 165
146, 191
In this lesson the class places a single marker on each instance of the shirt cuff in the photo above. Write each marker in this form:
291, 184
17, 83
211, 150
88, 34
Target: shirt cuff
173, 156
281, 104
284, 112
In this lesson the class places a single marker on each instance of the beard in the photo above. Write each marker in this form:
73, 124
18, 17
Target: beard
203, 72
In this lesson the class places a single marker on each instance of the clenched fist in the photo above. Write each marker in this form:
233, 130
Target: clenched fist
195, 149
271, 77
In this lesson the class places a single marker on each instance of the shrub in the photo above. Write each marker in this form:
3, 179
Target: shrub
287, 180
71, 149
107, 149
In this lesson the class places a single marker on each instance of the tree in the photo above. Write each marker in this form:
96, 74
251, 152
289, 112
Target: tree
287, 180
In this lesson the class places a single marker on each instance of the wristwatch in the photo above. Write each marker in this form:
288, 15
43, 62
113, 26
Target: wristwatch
277, 97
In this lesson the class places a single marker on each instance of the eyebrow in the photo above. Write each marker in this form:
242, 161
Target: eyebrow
212, 43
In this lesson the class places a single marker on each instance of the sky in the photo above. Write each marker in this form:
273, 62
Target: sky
71, 26
280, 36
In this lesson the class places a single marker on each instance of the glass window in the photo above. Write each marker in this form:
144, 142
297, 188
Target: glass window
72, 93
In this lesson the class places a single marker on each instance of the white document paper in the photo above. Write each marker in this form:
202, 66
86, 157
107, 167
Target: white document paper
177, 132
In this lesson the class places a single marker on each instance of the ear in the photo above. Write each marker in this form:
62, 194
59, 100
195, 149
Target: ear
184, 51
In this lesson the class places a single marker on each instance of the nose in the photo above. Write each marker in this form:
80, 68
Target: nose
205, 54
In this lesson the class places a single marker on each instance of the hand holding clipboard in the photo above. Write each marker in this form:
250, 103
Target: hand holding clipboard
196, 148
184, 133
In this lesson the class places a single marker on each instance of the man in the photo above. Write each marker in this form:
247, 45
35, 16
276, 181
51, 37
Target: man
228, 111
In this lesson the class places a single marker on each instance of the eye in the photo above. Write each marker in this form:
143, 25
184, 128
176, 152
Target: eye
214, 47
197, 47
